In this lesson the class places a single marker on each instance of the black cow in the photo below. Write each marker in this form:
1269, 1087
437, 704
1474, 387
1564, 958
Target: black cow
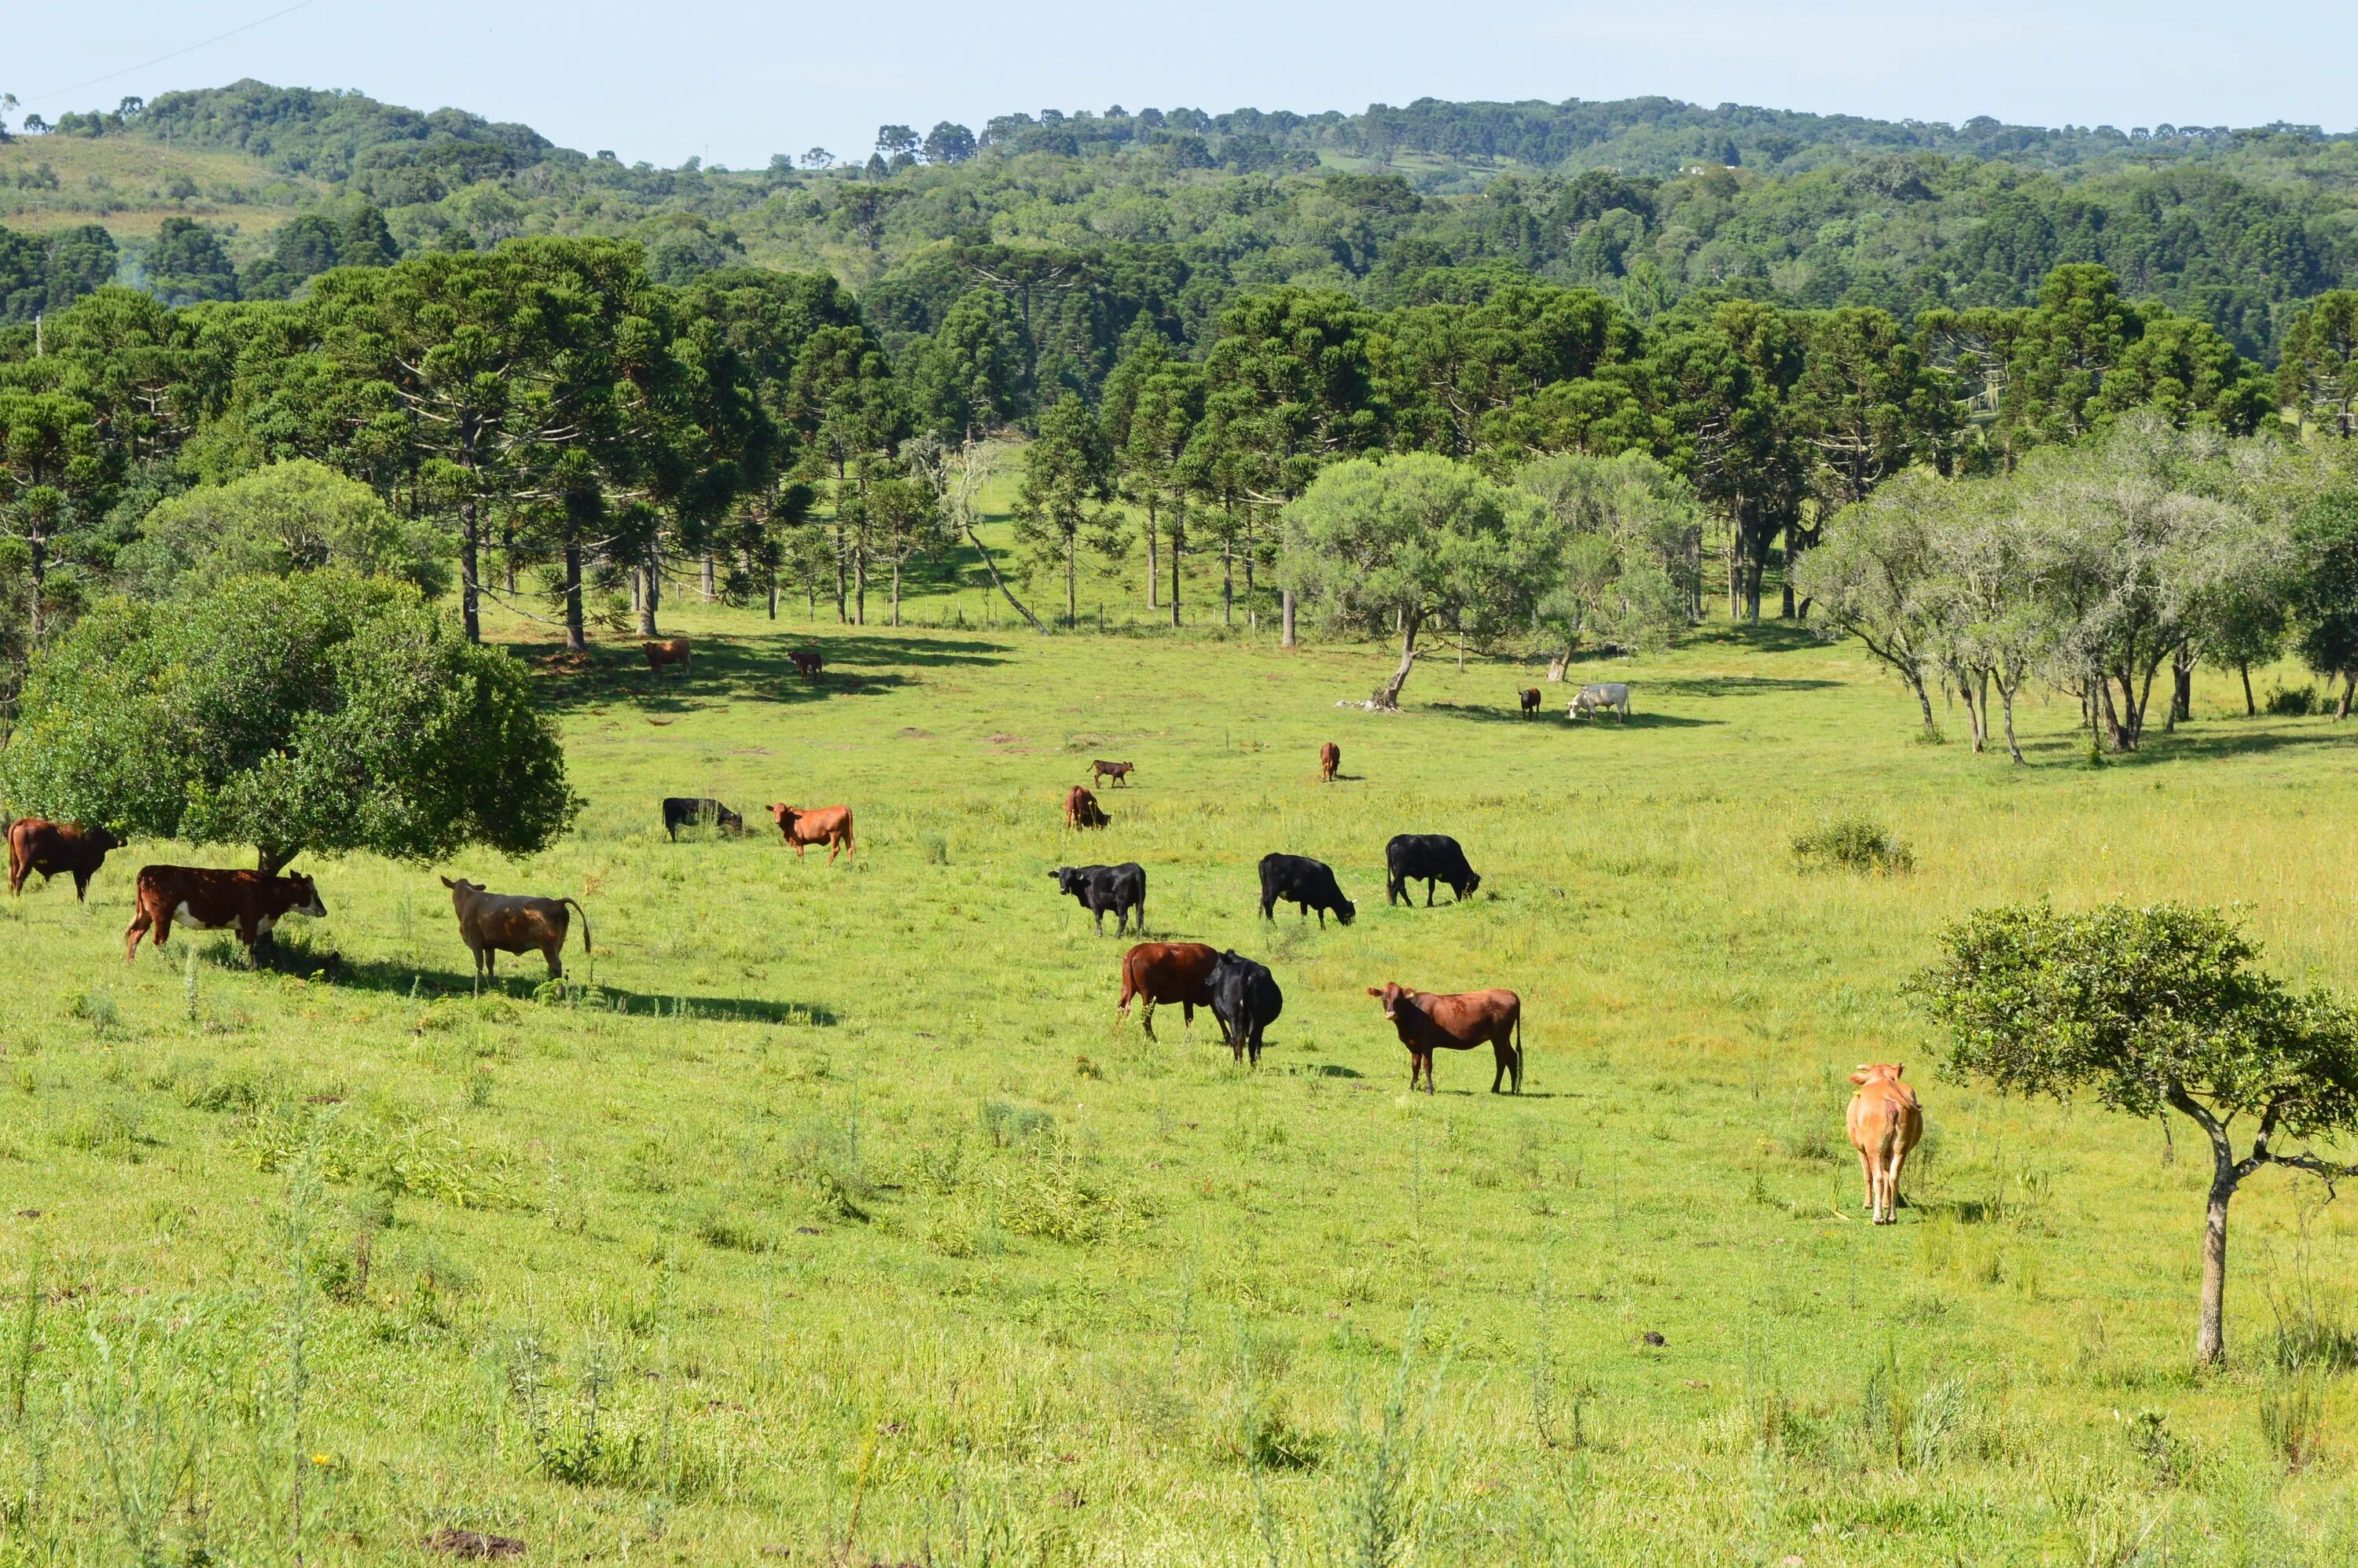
1298, 878
1428, 857
1246, 1000
685, 811
1122, 889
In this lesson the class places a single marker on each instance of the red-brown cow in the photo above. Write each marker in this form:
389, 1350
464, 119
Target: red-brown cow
827, 825
36, 844
1430, 1021
1330, 758
209, 900
491, 923
806, 662
674, 652
1169, 971
1081, 809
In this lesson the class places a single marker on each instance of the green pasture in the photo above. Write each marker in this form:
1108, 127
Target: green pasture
829, 1216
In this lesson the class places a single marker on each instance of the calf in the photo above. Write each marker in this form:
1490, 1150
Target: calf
1168, 971
1529, 695
1117, 771
1330, 758
1428, 857
1081, 809
1611, 694
827, 825
1122, 889
491, 923
249, 902
1429, 1021
697, 811
806, 661
1297, 878
36, 844
674, 652
1885, 1123
1246, 1000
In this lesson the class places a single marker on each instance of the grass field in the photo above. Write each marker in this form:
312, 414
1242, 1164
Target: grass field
831, 1218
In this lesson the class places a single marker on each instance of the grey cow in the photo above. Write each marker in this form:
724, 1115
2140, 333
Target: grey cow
1611, 694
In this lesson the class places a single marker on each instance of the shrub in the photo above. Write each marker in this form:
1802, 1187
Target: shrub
2292, 1418
1853, 844
2292, 702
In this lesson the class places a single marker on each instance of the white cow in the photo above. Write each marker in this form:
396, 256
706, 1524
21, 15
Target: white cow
1612, 693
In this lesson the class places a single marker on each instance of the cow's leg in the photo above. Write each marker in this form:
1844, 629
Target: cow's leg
1499, 1074
1146, 1017
1898, 1160
133, 932
81, 887
555, 964
1187, 1018
1866, 1174
1428, 884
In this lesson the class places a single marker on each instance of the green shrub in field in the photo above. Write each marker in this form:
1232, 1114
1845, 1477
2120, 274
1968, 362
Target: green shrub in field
107, 1129
396, 1156
1853, 844
2293, 702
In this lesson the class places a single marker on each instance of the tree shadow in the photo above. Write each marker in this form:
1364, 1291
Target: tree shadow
2159, 747
384, 977
1556, 720
1769, 636
1728, 685
739, 668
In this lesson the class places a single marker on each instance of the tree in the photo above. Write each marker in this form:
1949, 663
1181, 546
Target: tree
842, 401
1068, 473
289, 517
186, 263
52, 467
2153, 1009
1153, 403
2317, 378
318, 714
948, 143
968, 378
1629, 537
1873, 576
2324, 593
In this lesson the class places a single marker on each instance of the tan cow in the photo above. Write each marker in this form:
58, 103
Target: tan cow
1885, 1123
827, 825
675, 652
1081, 809
491, 923
1330, 758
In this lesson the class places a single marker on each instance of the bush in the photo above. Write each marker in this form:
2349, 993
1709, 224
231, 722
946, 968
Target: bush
2293, 702
1853, 844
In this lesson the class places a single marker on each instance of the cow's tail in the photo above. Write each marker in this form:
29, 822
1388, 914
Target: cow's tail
585, 920
1520, 1062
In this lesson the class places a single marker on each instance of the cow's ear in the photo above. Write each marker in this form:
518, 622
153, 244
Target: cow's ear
1375, 990
1898, 1068
1859, 1078
449, 883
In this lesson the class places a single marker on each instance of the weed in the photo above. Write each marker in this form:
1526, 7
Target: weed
1853, 844
2292, 1417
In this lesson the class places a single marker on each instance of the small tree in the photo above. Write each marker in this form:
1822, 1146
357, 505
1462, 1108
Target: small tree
319, 714
288, 518
1068, 476
2152, 1009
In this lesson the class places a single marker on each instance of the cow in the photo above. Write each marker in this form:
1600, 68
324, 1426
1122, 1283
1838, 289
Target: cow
1166, 972
1613, 694
806, 661
1885, 1123
1081, 809
36, 844
1117, 771
491, 923
1246, 1000
827, 825
1529, 696
1122, 889
1428, 857
249, 902
674, 652
1298, 878
697, 811
1330, 758
1430, 1021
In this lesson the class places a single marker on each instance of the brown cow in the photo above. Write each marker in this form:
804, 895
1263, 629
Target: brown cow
827, 825
1081, 809
1430, 1021
1531, 700
1885, 1123
1169, 971
216, 901
1117, 771
491, 923
674, 652
806, 661
36, 844
1330, 757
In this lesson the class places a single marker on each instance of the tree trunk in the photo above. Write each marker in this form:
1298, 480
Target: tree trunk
648, 584
2181, 686
271, 862
40, 544
896, 591
2251, 708
2349, 682
1177, 541
1228, 583
774, 597
842, 588
2006, 697
1387, 695
709, 594
1924, 701
2116, 735
470, 544
859, 582
576, 637
2210, 1335
1285, 609
1072, 567
508, 555
991, 566
1154, 567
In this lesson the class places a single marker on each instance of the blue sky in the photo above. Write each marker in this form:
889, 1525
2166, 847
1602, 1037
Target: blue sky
734, 80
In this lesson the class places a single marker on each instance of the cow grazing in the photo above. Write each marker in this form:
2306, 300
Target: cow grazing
36, 844
827, 825
1885, 1123
1330, 758
806, 661
1529, 696
1613, 694
491, 923
1166, 972
1081, 809
674, 652
248, 902
1429, 1021
697, 811
1298, 878
1246, 1000
1117, 771
1428, 857
1122, 889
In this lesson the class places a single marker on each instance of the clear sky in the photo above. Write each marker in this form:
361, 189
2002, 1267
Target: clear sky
734, 80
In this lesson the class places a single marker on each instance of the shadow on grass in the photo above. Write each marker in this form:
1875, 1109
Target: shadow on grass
1728, 685
1557, 720
309, 958
741, 668
2161, 747
1768, 637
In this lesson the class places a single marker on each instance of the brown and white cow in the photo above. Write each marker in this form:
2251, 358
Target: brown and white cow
1081, 809
827, 825
1884, 1122
1530, 697
1330, 758
36, 844
491, 923
674, 652
1459, 1021
1166, 972
246, 902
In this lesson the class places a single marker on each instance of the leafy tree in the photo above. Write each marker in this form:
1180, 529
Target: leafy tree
289, 517
1629, 537
186, 261
948, 143
2152, 1009
2318, 377
968, 378
1153, 403
52, 468
1067, 475
1873, 575
316, 714
2325, 591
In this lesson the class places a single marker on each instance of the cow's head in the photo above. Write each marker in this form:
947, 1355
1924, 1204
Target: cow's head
462, 889
1346, 912
307, 896
1472, 884
1393, 995
783, 816
1878, 1073
728, 821
104, 841
1068, 879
